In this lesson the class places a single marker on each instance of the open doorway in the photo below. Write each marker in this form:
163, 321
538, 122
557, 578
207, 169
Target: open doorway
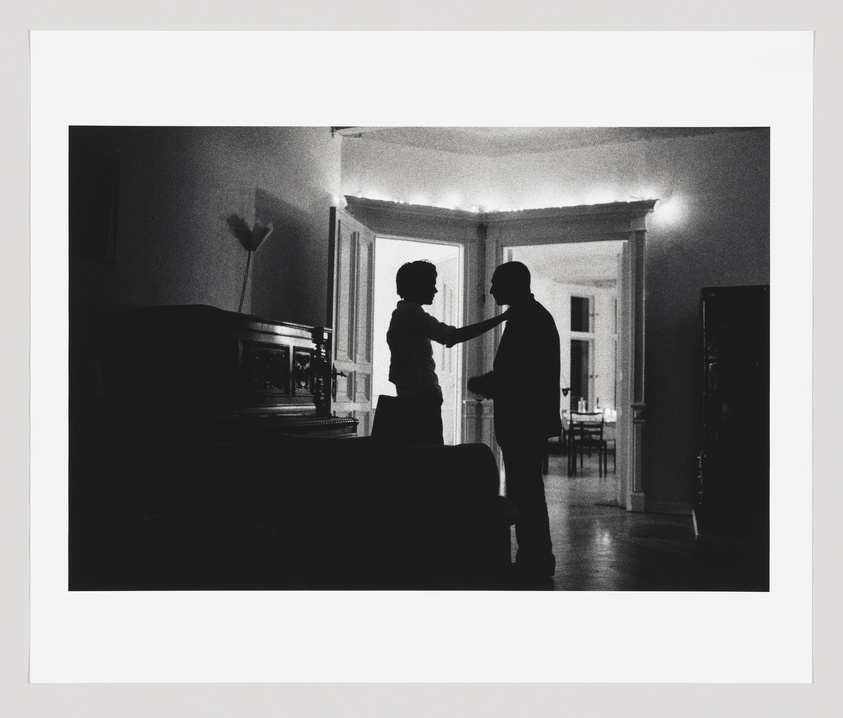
579, 283
390, 254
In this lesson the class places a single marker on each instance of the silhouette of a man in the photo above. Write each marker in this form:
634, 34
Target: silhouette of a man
524, 385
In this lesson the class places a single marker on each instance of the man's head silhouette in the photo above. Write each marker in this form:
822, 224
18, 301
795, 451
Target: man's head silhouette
511, 283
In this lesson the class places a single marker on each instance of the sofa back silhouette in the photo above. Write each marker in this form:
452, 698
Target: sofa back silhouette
294, 513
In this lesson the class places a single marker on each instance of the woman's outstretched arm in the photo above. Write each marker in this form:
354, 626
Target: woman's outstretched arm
470, 331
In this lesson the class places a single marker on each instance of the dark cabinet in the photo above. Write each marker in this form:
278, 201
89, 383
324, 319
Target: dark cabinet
734, 490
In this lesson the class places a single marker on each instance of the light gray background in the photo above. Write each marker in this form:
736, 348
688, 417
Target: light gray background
18, 698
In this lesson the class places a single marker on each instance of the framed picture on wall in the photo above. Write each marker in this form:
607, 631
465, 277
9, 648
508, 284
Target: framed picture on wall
92, 204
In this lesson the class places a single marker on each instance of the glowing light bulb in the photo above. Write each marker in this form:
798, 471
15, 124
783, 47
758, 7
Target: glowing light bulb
669, 210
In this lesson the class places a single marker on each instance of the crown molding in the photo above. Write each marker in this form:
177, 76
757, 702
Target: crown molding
614, 210
595, 221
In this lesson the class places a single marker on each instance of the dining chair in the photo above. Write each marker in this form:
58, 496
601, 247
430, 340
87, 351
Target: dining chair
586, 432
610, 439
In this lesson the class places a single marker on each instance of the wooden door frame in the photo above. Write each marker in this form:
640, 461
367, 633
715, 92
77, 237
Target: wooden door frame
618, 221
443, 226
462, 272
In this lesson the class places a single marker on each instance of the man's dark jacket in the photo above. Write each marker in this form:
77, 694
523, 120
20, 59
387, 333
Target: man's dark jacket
525, 380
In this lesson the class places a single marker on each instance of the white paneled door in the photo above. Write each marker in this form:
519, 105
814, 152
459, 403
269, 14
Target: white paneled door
352, 249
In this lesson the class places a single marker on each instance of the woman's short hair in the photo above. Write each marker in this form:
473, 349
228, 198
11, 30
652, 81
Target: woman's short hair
413, 277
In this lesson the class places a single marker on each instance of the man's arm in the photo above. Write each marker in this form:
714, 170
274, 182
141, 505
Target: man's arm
483, 385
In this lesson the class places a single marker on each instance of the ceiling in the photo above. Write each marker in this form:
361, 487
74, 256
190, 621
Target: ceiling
502, 141
587, 263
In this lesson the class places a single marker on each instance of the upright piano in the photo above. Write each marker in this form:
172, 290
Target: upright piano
203, 371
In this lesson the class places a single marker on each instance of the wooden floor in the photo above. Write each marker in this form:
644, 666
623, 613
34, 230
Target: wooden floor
600, 547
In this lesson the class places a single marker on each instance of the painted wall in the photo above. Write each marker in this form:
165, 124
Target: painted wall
379, 170
177, 189
712, 228
718, 236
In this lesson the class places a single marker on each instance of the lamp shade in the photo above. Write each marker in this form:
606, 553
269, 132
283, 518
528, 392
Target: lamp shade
259, 234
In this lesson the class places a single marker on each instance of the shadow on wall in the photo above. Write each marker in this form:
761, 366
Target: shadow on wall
288, 281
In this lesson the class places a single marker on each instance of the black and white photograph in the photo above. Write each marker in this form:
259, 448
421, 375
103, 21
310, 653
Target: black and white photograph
493, 370
440, 377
